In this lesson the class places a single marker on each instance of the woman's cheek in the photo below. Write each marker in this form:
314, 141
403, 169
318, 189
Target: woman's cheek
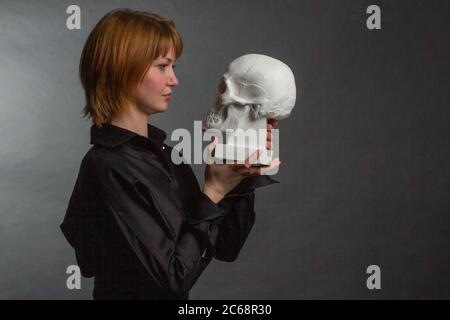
152, 87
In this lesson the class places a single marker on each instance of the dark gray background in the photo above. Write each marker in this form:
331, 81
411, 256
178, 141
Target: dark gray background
365, 153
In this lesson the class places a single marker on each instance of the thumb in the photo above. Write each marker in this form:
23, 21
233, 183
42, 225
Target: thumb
212, 146
214, 142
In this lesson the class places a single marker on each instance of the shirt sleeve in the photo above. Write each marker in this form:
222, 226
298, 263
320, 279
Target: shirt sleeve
79, 221
239, 219
152, 222
231, 232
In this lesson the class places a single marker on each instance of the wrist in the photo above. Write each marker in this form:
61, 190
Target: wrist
213, 193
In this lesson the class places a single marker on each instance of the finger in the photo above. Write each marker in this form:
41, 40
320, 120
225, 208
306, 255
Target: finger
252, 158
236, 167
269, 132
272, 122
272, 166
244, 171
250, 171
269, 140
255, 171
212, 145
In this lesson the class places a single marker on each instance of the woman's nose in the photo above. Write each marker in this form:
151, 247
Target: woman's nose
173, 81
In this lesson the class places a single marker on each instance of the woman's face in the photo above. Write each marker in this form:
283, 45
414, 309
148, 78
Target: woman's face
154, 91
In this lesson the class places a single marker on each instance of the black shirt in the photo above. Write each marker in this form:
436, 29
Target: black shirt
142, 226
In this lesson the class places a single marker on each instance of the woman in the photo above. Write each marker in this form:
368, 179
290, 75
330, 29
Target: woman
138, 223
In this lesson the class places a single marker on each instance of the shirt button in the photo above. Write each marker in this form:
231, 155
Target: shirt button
163, 147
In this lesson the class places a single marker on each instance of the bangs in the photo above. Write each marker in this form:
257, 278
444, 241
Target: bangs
159, 43
169, 40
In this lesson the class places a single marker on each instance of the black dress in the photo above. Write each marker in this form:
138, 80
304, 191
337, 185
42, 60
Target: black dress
142, 226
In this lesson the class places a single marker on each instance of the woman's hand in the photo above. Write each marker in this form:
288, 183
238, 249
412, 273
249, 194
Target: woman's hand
222, 178
271, 123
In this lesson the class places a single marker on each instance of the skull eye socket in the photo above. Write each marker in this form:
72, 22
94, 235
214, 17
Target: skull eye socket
253, 93
222, 87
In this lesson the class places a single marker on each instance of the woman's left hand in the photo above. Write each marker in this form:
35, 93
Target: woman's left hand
271, 123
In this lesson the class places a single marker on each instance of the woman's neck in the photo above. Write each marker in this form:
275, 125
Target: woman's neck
133, 120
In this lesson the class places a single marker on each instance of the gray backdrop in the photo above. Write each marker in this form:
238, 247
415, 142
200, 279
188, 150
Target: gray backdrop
365, 153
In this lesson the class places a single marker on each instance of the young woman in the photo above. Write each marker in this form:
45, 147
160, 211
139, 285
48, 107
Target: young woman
139, 224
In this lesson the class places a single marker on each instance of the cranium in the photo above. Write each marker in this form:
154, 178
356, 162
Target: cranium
255, 87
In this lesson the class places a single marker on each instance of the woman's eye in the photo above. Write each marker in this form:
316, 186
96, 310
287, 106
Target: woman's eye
162, 66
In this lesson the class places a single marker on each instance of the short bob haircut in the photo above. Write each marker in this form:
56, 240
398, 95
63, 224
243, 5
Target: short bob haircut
116, 56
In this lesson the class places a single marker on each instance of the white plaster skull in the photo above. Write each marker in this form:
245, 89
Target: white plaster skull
255, 86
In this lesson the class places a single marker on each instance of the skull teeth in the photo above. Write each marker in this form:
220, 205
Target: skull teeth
255, 111
213, 118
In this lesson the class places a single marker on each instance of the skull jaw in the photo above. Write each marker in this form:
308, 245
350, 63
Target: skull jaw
226, 152
240, 144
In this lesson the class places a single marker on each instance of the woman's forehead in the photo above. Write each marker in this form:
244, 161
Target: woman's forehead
170, 55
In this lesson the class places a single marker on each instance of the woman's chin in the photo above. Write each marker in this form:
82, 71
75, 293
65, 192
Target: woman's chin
159, 109
164, 107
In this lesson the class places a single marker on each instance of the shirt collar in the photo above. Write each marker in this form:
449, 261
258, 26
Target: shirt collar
111, 136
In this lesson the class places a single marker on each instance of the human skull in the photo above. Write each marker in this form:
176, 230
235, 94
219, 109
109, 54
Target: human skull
255, 86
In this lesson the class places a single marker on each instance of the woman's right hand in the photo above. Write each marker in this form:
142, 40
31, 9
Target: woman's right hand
222, 178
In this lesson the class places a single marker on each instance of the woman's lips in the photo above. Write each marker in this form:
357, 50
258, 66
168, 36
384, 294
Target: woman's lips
167, 96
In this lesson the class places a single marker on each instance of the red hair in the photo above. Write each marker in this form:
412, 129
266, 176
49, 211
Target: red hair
117, 54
